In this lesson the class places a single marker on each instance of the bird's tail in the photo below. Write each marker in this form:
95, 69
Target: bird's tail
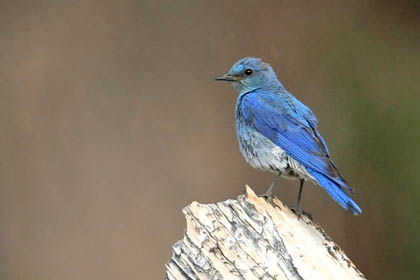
336, 191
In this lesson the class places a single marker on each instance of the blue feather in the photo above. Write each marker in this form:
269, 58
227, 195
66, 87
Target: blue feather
268, 117
336, 192
299, 137
292, 134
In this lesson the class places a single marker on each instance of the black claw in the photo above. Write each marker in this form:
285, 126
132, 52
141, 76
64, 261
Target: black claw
299, 213
266, 195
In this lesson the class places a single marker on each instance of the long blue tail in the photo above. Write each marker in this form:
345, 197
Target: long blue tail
335, 190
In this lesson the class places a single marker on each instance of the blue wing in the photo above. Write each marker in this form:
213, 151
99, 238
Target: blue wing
293, 127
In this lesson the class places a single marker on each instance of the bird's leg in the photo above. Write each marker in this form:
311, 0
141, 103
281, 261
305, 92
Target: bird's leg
269, 192
296, 209
300, 193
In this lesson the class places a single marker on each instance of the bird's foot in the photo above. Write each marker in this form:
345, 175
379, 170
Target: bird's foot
299, 212
268, 194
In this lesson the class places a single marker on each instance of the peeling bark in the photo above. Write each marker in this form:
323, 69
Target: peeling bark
253, 238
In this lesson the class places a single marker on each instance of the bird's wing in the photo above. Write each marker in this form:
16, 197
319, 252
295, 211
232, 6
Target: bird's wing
312, 121
296, 134
300, 138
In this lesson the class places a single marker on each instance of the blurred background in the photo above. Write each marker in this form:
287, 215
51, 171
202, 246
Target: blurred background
111, 123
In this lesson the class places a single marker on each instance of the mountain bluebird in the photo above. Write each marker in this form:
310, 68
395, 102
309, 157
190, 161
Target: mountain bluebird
278, 133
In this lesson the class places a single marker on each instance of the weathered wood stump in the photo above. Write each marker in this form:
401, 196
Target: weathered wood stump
255, 238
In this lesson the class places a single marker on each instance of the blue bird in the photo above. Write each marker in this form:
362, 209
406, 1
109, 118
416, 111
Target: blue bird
278, 133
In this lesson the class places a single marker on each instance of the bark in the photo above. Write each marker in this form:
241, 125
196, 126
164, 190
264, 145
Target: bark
255, 238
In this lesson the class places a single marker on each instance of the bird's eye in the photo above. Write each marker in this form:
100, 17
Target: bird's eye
248, 72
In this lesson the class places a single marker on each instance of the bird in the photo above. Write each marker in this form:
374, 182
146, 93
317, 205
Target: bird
278, 133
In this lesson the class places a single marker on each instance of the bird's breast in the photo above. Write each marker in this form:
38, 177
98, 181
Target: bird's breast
259, 151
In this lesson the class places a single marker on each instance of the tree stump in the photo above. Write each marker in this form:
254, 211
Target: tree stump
255, 238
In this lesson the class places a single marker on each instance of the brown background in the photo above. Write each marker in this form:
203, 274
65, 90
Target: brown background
111, 123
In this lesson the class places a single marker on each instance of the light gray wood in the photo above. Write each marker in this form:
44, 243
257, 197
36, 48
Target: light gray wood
255, 238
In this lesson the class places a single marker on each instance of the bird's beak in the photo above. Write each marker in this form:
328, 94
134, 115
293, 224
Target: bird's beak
228, 78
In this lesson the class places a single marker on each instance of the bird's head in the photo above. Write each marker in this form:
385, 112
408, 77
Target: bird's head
250, 73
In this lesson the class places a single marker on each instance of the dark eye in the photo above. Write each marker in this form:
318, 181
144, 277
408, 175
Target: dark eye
248, 72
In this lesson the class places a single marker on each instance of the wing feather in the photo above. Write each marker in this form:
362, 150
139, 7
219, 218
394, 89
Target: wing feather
294, 133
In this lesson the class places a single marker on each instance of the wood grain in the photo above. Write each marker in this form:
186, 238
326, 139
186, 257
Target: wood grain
255, 238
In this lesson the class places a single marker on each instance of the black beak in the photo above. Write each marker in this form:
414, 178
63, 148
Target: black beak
228, 78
